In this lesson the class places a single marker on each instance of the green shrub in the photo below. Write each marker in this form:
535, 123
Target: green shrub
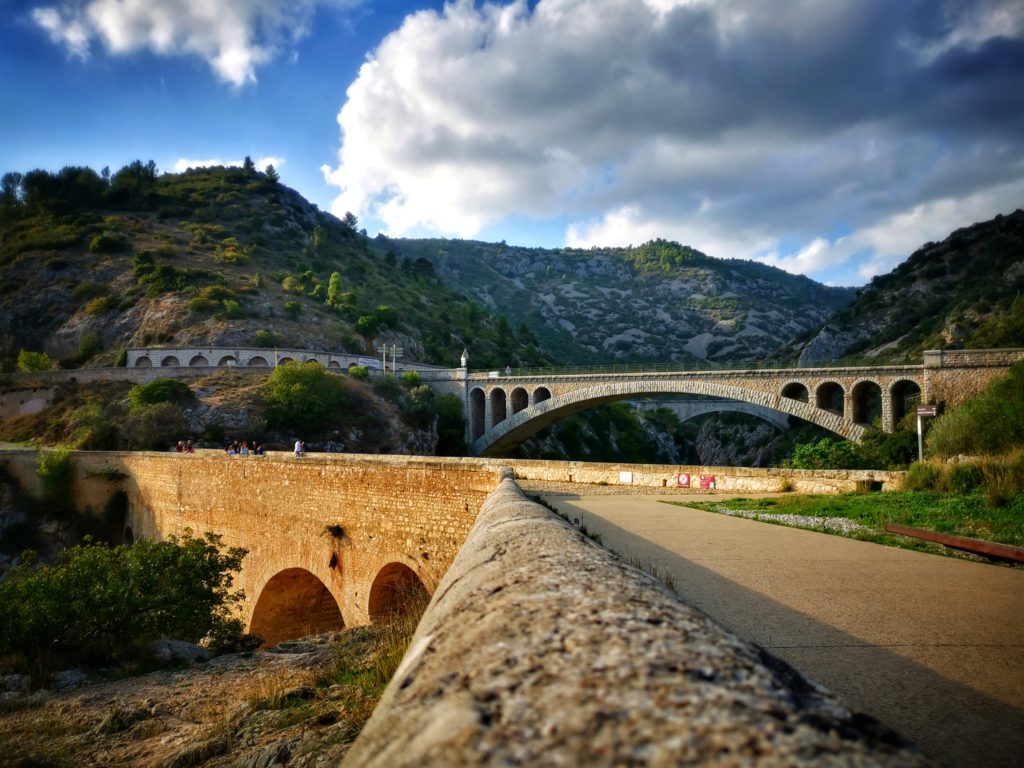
91, 429
268, 339
56, 472
87, 289
922, 476
292, 309
101, 305
387, 386
990, 424
825, 454
418, 409
961, 478
160, 391
1004, 479
410, 379
360, 372
108, 242
203, 306
153, 427
30, 362
305, 398
103, 604
451, 426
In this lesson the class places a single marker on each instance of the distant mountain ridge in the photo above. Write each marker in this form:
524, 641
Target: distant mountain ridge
659, 302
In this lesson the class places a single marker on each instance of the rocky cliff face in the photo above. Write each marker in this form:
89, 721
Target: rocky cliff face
960, 293
661, 302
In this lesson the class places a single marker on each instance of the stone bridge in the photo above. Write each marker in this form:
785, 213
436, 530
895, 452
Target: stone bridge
504, 408
333, 541
530, 624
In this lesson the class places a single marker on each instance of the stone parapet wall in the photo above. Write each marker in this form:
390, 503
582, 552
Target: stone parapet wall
955, 376
972, 358
729, 479
539, 648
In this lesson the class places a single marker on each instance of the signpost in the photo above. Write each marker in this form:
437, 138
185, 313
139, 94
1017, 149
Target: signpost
923, 410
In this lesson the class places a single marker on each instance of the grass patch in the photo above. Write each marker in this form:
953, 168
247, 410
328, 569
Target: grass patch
957, 514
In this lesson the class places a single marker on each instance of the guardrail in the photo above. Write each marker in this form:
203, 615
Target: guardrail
849, 362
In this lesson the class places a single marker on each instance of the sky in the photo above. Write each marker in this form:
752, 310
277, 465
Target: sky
830, 138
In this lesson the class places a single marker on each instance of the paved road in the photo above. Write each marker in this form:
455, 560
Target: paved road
931, 646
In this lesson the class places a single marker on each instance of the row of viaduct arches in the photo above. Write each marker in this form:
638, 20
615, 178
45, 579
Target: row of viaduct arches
294, 602
502, 414
204, 361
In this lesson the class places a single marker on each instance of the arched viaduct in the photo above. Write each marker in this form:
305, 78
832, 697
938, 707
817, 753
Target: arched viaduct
502, 410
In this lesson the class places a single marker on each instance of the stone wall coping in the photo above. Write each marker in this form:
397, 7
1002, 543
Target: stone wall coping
541, 648
581, 472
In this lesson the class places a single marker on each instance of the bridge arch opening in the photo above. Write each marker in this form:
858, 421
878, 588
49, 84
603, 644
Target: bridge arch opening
476, 412
866, 402
227, 360
906, 395
292, 604
520, 400
258, 361
199, 361
285, 361
830, 396
796, 391
334, 365
499, 409
170, 361
397, 591
540, 394
144, 362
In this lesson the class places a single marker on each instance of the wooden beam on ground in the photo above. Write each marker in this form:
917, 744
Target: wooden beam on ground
975, 546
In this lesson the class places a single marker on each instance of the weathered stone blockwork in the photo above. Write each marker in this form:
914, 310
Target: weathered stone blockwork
386, 509
540, 648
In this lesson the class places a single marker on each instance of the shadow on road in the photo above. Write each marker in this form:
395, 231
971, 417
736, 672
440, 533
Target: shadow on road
953, 724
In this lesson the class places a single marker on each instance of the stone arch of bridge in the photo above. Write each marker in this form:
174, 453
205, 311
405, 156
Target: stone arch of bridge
518, 427
170, 362
903, 394
144, 362
865, 401
796, 390
830, 396
292, 603
199, 361
520, 400
397, 589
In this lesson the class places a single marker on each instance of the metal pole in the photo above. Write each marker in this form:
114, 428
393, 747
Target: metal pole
384, 358
920, 444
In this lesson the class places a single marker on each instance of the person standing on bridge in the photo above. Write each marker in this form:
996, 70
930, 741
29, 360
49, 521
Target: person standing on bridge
300, 448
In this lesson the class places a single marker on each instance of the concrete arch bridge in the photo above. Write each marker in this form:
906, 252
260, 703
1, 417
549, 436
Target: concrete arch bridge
503, 409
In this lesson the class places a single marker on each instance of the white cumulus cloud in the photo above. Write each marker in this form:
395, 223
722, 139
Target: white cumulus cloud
234, 37
730, 125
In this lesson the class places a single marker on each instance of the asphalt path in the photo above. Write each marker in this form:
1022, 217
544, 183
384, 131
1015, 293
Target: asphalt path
930, 646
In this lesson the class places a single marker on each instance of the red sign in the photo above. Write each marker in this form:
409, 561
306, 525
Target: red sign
707, 482
683, 480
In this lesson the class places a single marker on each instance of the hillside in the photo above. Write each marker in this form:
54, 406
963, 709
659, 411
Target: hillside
659, 302
91, 264
961, 293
